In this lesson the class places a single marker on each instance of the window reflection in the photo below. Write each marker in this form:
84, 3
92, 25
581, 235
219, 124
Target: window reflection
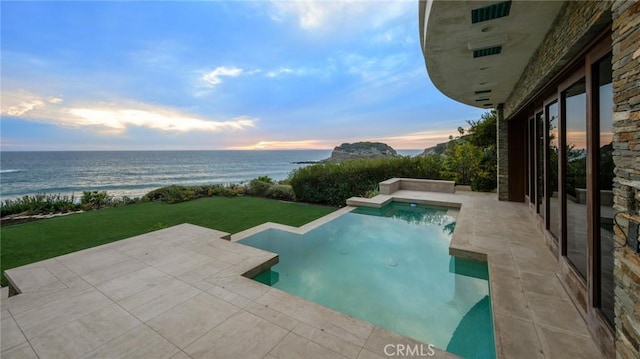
539, 163
576, 174
605, 186
552, 170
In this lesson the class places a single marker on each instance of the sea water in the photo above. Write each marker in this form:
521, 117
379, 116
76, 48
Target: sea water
134, 173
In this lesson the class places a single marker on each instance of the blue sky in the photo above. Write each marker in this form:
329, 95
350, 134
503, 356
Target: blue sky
153, 75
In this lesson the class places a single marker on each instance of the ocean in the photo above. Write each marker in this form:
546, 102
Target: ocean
134, 173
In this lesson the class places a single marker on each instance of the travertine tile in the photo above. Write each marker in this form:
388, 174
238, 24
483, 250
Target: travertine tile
243, 335
54, 314
142, 241
66, 276
27, 301
332, 342
34, 279
273, 316
543, 283
366, 354
85, 334
561, 345
111, 271
22, 351
89, 259
240, 285
542, 264
10, 333
295, 346
132, 283
229, 296
516, 338
507, 296
198, 276
181, 355
140, 342
158, 299
186, 322
553, 312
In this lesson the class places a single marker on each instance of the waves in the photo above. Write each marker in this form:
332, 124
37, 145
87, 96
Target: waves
135, 173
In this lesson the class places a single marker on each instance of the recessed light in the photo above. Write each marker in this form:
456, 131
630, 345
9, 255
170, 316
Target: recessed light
484, 68
482, 99
487, 104
482, 91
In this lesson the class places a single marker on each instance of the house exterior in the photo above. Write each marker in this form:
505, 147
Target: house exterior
564, 77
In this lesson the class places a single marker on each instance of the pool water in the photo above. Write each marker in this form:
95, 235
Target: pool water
390, 267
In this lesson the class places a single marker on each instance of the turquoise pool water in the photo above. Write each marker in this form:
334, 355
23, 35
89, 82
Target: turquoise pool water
390, 267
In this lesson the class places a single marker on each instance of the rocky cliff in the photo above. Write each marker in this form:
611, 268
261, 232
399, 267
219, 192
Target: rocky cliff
350, 151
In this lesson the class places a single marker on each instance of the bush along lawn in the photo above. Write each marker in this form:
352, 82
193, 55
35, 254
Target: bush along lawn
38, 240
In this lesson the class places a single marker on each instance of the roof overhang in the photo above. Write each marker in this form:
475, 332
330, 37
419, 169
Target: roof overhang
463, 59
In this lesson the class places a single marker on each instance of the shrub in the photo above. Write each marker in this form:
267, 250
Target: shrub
171, 194
38, 204
334, 183
258, 187
265, 179
484, 182
95, 200
221, 191
281, 191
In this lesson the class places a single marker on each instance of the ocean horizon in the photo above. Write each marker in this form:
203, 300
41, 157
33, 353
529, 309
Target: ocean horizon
135, 173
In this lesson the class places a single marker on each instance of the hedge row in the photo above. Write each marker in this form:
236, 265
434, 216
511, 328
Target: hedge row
334, 183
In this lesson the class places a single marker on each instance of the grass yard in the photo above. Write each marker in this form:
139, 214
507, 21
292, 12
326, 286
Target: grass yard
30, 242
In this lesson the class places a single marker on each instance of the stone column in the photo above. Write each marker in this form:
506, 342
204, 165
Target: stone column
503, 154
626, 156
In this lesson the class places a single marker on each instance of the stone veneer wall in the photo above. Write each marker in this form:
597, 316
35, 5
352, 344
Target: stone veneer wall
577, 23
626, 128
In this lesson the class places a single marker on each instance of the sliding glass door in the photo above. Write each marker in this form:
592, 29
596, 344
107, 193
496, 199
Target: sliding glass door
575, 152
605, 166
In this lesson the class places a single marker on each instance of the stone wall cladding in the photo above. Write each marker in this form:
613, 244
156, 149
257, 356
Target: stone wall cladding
626, 128
577, 23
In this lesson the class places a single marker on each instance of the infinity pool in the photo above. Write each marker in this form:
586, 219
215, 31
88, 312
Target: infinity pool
390, 267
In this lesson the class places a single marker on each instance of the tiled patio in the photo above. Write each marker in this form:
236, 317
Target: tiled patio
180, 292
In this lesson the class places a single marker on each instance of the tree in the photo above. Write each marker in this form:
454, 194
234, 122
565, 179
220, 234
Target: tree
462, 162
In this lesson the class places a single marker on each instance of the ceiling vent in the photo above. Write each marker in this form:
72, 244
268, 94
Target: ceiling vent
487, 52
490, 12
482, 91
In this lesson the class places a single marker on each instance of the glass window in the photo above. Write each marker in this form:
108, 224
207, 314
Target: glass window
531, 181
539, 163
553, 200
576, 173
605, 186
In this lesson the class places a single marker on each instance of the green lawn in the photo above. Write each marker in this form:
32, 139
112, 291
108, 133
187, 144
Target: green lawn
34, 241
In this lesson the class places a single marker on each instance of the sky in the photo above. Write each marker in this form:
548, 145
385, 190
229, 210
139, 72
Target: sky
214, 75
